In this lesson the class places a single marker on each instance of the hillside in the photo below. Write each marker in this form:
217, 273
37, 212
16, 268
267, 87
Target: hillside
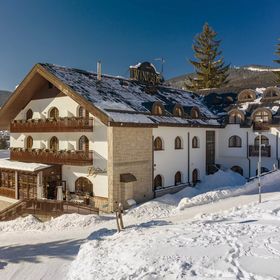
4, 94
250, 76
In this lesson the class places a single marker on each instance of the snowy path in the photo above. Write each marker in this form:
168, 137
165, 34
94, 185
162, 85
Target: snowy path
48, 255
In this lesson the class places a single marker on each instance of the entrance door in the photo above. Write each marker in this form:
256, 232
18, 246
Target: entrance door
210, 152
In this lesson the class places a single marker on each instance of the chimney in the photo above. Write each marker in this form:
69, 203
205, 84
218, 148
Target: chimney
99, 70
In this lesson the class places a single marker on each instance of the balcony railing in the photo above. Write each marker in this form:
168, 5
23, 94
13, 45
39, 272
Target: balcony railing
254, 151
261, 126
69, 157
71, 124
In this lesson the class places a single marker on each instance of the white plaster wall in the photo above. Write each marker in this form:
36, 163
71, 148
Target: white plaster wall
41, 107
169, 161
229, 157
72, 173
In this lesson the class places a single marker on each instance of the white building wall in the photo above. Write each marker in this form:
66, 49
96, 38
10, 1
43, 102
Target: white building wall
229, 157
98, 142
169, 161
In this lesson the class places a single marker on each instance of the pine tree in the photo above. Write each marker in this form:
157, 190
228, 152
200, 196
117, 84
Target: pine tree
210, 69
278, 60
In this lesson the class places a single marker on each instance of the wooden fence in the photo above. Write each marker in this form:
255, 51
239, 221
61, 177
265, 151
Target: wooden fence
52, 208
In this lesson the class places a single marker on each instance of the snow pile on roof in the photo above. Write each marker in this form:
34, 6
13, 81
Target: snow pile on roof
17, 165
64, 222
167, 204
115, 94
242, 243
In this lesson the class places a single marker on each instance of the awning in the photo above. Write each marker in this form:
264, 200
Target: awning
127, 177
23, 166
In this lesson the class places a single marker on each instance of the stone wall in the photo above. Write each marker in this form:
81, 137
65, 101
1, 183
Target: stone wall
130, 151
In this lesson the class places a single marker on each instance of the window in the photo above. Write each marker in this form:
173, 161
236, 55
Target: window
247, 95
195, 142
262, 116
178, 111
157, 109
158, 144
195, 176
178, 143
54, 113
264, 140
54, 144
195, 113
29, 142
158, 182
29, 114
235, 118
271, 92
234, 142
237, 169
83, 186
84, 143
178, 178
83, 113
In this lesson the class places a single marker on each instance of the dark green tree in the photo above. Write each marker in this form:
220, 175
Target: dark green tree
3, 144
277, 73
210, 69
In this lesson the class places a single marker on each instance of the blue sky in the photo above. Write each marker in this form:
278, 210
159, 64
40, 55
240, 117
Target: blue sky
77, 33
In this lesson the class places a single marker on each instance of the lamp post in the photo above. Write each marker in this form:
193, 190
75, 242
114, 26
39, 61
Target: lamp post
259, 167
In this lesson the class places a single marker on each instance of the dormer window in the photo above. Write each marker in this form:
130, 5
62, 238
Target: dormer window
178, 111
158, 109
262, 116
236, 117
247, 95
271, 92
195, 113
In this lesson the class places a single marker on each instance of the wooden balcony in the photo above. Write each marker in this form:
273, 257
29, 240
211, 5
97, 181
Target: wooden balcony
254, 151
69, 157
71, 124
259, 126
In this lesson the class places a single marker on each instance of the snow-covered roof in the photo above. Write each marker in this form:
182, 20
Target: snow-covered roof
23, 166
128, 101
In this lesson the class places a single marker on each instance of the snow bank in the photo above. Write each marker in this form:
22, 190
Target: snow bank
270, 182
64, 222
166, 205
243, 243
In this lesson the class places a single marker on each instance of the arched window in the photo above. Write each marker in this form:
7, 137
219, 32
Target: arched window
264, 140
29, 114
54, 113
178, 111
158, 109
195, 142
178, 143
195, 176
237, 169
235, 118
178, 178
263, 170
195, 114
262, 116
83, 186
83, 113
158, 146
234, 142
271, 92
158, 182
84, 143
54, 144
29, 142
247, 95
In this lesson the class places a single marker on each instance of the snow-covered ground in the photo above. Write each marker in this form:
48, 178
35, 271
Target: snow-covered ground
221, 234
